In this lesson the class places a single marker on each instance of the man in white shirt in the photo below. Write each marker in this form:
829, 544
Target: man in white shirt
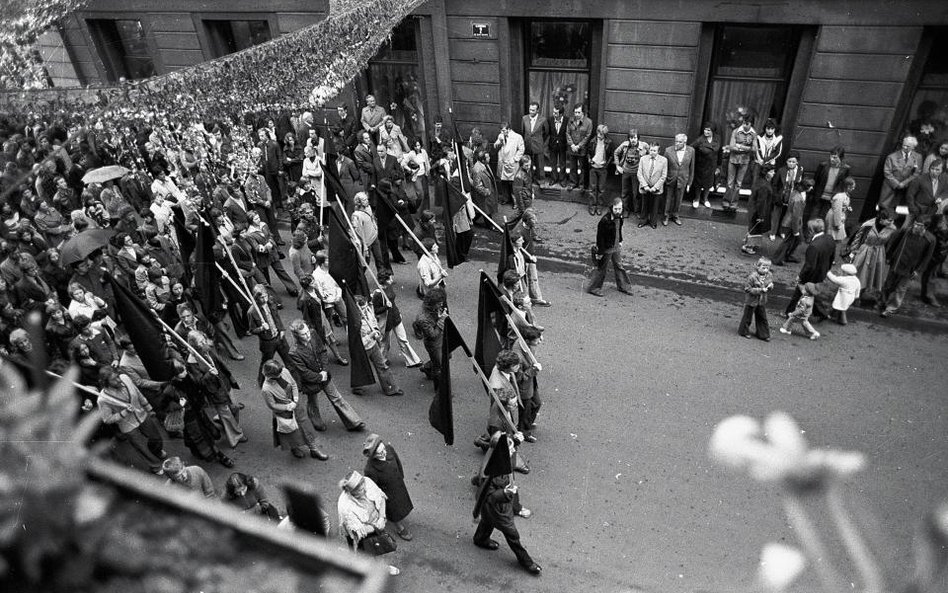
163, 186
325, 286
653, 170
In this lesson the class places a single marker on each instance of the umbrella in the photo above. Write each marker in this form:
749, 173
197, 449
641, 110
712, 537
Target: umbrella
79, 247
103, 174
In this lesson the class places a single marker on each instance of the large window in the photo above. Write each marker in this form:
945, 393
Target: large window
395, 77
558, 62
928, 115
227, 37
122, 47
750, 69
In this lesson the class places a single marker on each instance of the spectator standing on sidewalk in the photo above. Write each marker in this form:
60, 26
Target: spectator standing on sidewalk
609, 249
681, 172
626, 158
756, 286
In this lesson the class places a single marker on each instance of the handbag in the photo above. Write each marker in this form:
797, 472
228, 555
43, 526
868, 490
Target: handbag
174, 420
378, 543
286, 425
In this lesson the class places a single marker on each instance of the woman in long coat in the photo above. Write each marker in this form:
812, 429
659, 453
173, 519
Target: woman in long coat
707, 152
385, 469
868, 248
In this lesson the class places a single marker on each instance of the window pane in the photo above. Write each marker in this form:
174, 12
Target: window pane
403, 47
227, 37
559, 89
137, 60
560, 45
757, 52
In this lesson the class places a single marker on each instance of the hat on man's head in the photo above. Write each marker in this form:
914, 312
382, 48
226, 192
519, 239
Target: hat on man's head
352, 481
371, 444
849, 269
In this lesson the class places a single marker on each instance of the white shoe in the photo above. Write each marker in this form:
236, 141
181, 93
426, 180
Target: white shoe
525, 513
694, 204
393, 570
707, 203
773, 238
815, 335
785, 331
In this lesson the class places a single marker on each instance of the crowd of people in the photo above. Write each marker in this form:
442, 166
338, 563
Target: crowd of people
93, 207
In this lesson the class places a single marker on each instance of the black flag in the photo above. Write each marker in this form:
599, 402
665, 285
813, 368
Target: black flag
360, 367
453, 201
335, 191
344, 264
208, 279
497, 464
492, 324
185, 238
143, 330
441, 412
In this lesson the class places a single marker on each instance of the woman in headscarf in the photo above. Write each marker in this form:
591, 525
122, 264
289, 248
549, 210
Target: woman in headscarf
361, 509
282, 395
385, 469
247, 493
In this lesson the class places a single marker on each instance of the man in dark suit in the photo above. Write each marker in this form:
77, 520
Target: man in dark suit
271, 165
609, 249
235, 207
344, 131
349, 175
818, 260
927, 193
535, 133
681, 172
556, 141
363, 154
384, 166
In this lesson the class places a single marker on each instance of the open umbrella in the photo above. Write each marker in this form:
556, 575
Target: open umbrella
103, 174
78, 248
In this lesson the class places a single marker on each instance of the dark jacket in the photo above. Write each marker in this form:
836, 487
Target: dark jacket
390, 478
907, 252
818, 259
308, 361
822, 172
557, 142
606, 232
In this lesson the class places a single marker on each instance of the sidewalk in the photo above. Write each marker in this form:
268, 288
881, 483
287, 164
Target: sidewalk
703, 252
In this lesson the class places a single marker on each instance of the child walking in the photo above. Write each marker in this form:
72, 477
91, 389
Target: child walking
803, 311
849, 287
758, 284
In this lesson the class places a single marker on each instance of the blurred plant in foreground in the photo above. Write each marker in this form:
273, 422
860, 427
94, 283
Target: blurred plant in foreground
775, 452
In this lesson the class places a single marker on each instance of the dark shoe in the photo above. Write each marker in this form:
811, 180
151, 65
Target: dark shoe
664, 222
358, 391
395, 393
653, 225
240, 406
523, 470
482, 443
596, 292
676, 221
591, 210
767, 339
298, 454
748, 336
534, 569
792, 260
237, 356
778, 263
293, 292
625, 291
488, 545
643, 223
342, 362
542, 303
530, 438
405, 534
317, 454
358, 427
243, 439
225, 460
319, 424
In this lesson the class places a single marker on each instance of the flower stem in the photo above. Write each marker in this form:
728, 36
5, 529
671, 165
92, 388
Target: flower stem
812, 544
872, 579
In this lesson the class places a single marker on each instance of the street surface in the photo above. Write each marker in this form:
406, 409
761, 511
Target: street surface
625, 497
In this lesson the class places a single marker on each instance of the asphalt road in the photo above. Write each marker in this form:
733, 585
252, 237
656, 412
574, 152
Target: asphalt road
624, 495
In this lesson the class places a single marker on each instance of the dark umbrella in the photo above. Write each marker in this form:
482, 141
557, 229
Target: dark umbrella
79, 247
103, 174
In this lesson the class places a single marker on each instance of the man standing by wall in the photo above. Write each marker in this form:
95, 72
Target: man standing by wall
743, 140
578, 132
681, 172
557, 143
535, 133
653, 170
372, 116
627, 158
510, 148
900, 170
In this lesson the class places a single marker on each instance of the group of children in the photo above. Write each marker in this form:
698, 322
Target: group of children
759, 283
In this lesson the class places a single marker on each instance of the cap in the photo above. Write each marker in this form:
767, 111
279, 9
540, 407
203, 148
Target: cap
370, 444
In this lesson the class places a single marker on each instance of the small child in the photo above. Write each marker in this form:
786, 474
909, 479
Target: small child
849, 287
758, 284
803, 311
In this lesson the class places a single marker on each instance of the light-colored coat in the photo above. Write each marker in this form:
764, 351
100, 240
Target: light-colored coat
652, 176
508, 155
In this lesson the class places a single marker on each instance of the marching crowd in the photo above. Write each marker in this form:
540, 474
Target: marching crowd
100, 213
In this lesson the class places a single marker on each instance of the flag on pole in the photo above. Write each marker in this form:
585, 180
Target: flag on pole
492, 326
335, 190
497, 464
344, 264
208, 279
453, 201
143, 330
463, 172
441, 411
186, 241
359, 366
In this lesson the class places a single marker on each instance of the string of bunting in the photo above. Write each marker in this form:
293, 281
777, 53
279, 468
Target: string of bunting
21, 24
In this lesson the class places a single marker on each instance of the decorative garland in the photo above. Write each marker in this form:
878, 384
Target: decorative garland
23, 21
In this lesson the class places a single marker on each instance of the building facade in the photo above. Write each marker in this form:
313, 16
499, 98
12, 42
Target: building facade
851, 73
